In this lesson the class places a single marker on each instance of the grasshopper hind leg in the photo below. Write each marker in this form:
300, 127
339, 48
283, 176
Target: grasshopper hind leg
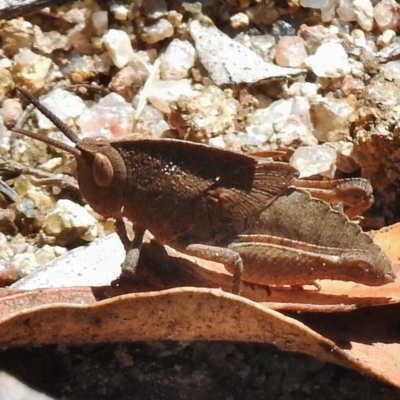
230, 258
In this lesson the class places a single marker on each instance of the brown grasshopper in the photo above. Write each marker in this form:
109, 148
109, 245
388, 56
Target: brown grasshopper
214, 204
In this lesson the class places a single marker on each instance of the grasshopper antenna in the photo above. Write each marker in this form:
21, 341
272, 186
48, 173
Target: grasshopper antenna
47, 113
55, 143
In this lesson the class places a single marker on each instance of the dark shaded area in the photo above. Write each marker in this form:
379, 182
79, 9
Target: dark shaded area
171, 370
366, 325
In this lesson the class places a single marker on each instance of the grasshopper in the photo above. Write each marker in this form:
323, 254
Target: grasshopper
215, 204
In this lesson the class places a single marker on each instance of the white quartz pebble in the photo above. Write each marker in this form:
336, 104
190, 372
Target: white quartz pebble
119, 47
329, 61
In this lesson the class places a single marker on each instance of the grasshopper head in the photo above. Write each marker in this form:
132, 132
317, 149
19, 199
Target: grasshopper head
101, 176
101, 169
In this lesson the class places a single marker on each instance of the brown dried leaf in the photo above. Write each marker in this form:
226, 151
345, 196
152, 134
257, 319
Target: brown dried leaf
176, 314
77, 316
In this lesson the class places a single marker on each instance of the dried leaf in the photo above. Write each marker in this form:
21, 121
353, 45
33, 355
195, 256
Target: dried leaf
176, 314
199, 314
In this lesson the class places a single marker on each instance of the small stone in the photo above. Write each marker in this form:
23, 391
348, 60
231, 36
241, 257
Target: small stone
313, 160
127, 81
239, 20
30, 69
59, 251
292, 132
314, 35
262, 45
5, 250
386, 38
328, 116
211, 112
359, 38
45, 254
303, 89
328, 14
102, 63
79, 39
351, 85
11, 111
364, 13
100, 22
119, 47
79, 14
69, 222
7, 274
162, 93
390, 52
16, 34
318, 4
19, 245
144, 61
120, 11
6, 82
254, 139
387, 15
283, 27
387, 95
7, 225
6, 63
62, 103
217, 141
263, 14
287, 115
177, 60
24, 264
345, 151
33, 205
52, 164
345, 10
329, 61
161, 30
111, 117
151, 122
290, 51
175, 18
47, 42
80, 68
391, 70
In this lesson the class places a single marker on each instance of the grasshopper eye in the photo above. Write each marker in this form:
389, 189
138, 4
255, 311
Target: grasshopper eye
103, 171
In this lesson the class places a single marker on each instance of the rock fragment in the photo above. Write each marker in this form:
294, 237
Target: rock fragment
229, 62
